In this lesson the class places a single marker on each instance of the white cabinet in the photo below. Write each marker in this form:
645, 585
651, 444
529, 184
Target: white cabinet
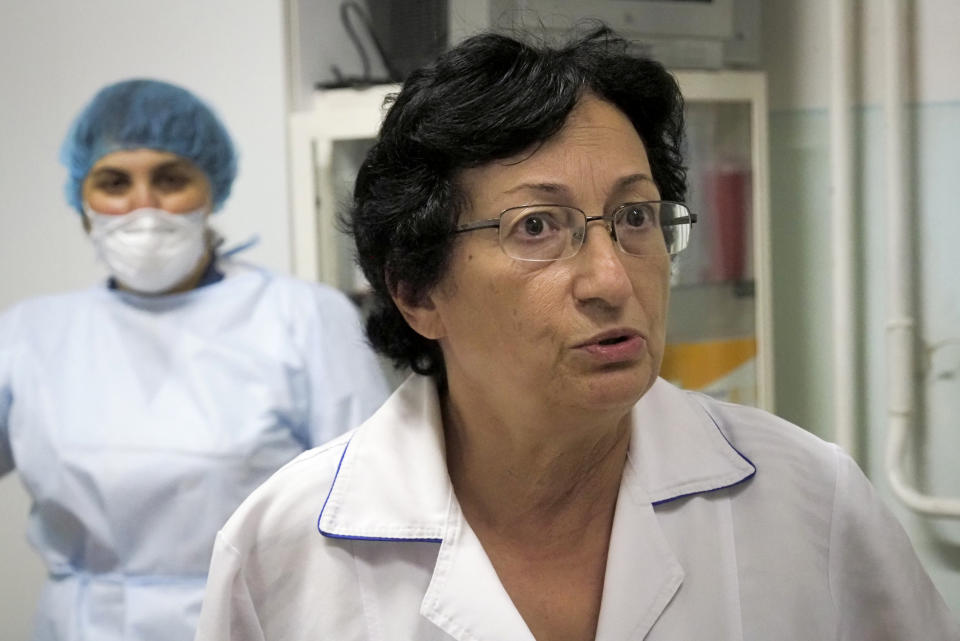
720, 336
326, 147
720, 332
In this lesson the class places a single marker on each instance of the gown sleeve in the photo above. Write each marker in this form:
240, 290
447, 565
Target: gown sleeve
6, 393
346, 382
881, 590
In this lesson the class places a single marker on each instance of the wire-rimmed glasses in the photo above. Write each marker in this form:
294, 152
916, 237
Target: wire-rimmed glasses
552, 232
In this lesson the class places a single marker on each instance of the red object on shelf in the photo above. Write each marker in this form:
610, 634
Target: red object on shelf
729, 195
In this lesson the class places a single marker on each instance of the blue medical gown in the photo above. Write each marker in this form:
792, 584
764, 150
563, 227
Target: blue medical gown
138, 425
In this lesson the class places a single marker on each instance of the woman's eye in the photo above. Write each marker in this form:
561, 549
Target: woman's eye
533, 225
112, 184
172, 181
536, 225
637, 216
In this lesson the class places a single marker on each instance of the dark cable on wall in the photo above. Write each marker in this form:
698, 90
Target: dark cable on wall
346, 8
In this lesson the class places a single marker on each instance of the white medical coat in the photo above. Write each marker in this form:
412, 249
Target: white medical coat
138, 424
730, 524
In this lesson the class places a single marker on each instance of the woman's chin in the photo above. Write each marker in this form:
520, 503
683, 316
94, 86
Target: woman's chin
614, 389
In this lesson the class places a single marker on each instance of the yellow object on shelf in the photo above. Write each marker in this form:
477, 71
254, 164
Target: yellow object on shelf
724, 368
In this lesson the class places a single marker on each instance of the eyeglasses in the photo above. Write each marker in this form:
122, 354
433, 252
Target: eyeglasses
551, 232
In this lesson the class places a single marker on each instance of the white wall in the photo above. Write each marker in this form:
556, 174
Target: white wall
797, 56
54, 55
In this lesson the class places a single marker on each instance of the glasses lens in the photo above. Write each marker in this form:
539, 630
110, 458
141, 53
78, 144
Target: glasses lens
541, 232
637, 227
652, 228
676, 222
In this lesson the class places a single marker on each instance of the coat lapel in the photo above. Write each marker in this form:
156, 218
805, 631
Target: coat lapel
676, 450
642, 574
465, 598
392, 481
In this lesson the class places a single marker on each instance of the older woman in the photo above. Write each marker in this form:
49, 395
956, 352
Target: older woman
140, 413
535, 479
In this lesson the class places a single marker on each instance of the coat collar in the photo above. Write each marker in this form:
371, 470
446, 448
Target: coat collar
392, 481
392, 484
677, 448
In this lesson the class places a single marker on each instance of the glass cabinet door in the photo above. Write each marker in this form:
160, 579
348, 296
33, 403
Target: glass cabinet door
711, 325
716, 338
345, 160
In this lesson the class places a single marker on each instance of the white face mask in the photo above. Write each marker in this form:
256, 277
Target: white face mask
149, 250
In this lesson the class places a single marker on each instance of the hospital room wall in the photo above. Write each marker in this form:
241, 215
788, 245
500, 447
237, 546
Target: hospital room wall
797, 58
53, 56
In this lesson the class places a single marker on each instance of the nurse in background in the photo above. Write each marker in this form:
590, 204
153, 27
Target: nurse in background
140, 412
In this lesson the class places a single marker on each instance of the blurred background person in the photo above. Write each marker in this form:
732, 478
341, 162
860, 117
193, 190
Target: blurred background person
140, 412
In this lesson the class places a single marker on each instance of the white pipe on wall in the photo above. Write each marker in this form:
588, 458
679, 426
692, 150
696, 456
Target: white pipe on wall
842, 226
901, 325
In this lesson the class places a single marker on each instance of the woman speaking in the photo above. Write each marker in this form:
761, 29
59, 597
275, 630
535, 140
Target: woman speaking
518, 219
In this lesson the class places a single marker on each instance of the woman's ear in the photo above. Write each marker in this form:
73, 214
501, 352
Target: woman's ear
421, 313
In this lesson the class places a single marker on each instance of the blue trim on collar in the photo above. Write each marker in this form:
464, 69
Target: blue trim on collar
333, 483
348, 537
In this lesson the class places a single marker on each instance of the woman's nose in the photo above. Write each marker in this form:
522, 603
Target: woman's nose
143, 195
601, 274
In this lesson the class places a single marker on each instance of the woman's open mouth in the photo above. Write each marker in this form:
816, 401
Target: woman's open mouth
615, 346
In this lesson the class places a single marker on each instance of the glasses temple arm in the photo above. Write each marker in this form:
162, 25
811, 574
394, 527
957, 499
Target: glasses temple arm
682, 220
480, 224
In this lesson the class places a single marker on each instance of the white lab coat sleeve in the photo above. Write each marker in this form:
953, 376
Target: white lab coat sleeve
347, 384
228, 613
880, 589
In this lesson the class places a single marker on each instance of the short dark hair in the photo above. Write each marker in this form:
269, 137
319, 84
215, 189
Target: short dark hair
488, 98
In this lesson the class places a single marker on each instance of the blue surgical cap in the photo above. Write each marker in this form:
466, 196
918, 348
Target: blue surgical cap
148, 114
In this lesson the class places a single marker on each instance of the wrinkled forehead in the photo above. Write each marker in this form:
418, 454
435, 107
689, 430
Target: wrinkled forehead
595, 151
143, 160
